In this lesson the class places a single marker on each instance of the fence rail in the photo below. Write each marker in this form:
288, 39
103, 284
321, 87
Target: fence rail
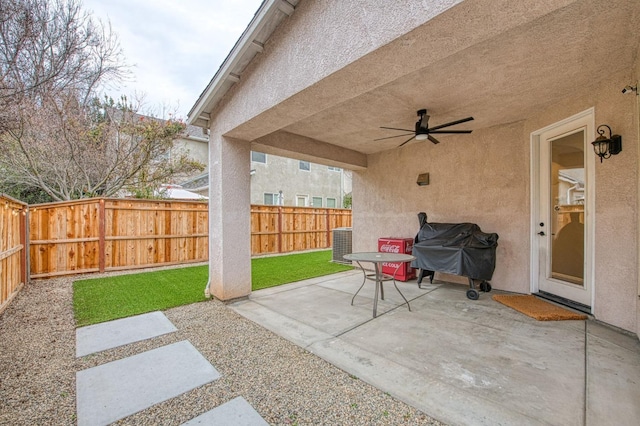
96, 235
13, 252
278, 229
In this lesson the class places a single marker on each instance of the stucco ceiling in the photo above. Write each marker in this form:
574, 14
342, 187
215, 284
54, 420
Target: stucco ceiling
500, 80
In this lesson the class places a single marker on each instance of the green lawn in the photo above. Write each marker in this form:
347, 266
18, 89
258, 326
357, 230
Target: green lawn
272, 271
103, 299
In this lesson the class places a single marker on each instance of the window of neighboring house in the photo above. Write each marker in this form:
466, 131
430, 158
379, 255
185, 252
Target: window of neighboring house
316, 202
301, 200
305, 165
270, 199
259, 157
331, 203
334, 169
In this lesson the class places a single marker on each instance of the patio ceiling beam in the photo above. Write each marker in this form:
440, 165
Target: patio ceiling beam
295, 146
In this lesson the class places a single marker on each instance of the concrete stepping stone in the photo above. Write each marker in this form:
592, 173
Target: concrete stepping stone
237, 412
107, 335
115, 390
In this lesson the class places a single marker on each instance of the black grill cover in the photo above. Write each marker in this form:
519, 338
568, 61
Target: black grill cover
455, 248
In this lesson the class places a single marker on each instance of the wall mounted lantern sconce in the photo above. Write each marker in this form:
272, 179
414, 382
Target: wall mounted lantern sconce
423, 179
606, 147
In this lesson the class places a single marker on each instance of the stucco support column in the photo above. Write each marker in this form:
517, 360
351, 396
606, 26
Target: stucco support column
229, 218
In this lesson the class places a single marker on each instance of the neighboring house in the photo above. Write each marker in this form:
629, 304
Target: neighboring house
287, 182
195, 143
178, 192
198, 184
284, 181
315, 81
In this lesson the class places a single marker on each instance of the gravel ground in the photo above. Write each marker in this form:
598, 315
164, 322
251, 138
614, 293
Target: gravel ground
284, 383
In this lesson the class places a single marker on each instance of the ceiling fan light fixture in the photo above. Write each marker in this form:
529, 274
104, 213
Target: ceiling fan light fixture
422, 130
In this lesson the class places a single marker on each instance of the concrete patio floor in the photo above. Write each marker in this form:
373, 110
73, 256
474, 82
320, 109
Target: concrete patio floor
460, 361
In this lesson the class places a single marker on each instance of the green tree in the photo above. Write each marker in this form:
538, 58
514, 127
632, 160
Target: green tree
347, 201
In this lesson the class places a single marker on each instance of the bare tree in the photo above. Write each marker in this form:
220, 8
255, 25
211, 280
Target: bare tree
47, 47
99, 150
57, 138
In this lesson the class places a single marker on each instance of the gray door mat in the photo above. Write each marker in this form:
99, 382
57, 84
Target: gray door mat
112, 391
107, 335
237, 412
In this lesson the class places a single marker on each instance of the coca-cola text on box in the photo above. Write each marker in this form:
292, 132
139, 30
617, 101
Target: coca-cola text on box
389, 248
401, 246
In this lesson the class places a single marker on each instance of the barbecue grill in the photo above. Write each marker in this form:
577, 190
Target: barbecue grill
455, 248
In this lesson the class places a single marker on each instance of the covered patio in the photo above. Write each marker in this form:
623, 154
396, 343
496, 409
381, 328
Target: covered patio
316, 81
457, 360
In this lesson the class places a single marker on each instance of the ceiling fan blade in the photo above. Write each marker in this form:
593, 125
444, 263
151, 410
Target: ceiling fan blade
450, 131
391, 137
406, 141
432, 139
394, 128
464, 120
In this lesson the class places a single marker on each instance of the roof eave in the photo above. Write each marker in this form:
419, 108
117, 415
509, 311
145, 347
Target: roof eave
270, 14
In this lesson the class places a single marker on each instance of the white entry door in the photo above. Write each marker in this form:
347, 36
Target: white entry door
563, 225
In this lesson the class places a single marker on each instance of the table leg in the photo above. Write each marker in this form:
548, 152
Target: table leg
380, 279
396, 286
363, 281
378, 284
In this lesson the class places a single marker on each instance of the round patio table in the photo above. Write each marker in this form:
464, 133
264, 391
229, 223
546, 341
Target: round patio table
378, 258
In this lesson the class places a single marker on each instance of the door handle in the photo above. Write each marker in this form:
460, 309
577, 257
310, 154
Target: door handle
542, 233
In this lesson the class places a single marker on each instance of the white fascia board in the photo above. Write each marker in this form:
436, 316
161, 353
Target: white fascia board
245, 48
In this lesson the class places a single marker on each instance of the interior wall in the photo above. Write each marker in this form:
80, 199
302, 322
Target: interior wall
484, 178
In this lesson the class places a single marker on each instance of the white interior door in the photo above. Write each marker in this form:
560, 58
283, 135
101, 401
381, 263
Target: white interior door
563, 225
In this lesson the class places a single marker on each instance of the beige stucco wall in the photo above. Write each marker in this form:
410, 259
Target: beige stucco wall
616, 227
636, 77
284, 174
196, 149
336, 34
229, 218
485, 178
308, 67
310, 62
480, 178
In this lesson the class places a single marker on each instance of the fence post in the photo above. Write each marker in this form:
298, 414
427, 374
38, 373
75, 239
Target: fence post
101, 235
24, 274
279, 229
326, 213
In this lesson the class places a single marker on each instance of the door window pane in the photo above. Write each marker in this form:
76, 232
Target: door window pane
567, 208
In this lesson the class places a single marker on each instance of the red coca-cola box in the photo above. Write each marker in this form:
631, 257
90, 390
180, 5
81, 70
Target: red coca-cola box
397, 245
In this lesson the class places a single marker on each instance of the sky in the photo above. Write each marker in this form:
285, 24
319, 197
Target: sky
175, 46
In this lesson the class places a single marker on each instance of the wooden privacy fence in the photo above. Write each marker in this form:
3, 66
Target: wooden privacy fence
278, 229
13, 252
96, 235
